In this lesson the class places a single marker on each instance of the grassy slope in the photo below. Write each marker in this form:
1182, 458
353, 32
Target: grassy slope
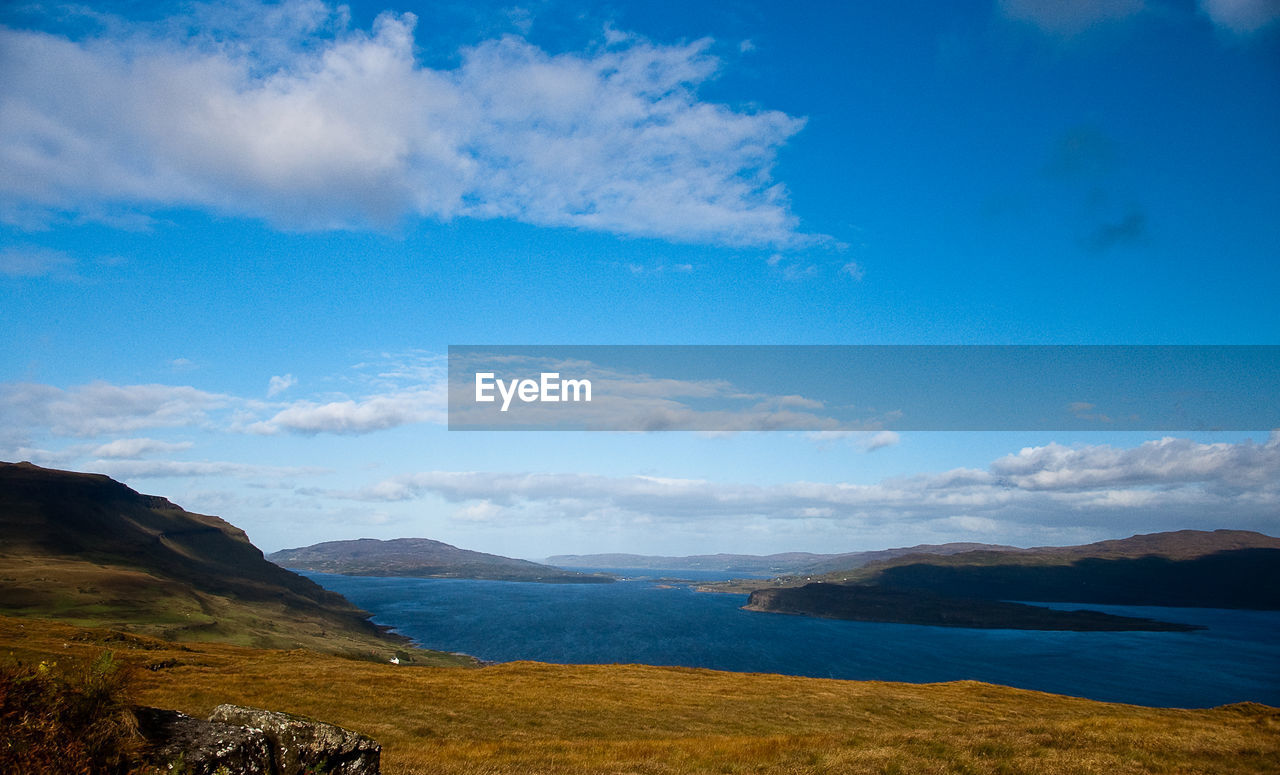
88, 550
527, 717
94, 595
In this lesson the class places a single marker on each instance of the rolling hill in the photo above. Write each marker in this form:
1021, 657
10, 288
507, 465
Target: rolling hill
422, 558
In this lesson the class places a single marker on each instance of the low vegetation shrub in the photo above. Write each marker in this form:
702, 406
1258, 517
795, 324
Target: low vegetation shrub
72, 719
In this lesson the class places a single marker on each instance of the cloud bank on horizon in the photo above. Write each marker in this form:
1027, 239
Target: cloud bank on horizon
1168, 482
1160, 484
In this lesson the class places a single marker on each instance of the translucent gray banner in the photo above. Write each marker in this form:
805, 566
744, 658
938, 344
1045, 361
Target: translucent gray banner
864, 388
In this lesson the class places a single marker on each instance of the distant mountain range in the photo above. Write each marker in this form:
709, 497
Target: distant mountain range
87, 549
791, 563
422, 558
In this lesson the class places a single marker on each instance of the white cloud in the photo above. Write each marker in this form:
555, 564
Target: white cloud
1165, 484
1070, 17
482, 511
352, 417
1242, 16
135, 448
881, 440
285, 113
103, 408
402, 390
1168, 461
278, 385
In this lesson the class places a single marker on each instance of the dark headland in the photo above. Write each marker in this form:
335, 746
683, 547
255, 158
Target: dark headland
87, 549
1186, 568
877, 604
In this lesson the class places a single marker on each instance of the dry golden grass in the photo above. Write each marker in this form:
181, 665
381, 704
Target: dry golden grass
536, 718
93, 595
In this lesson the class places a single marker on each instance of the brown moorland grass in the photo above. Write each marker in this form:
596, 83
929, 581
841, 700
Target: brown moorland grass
528, 717
90, 594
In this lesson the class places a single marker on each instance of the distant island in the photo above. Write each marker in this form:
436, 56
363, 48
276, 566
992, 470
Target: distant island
1188, 568
423, 558
878, 604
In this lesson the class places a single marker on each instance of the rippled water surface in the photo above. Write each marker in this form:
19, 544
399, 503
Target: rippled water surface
647, 621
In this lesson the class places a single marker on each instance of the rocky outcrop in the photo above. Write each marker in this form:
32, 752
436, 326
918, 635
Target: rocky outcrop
301, 746
179, 743
247, 741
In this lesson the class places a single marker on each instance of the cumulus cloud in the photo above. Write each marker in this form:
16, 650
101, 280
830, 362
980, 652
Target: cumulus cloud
352, 417
1234, 468
286, 113
1069, 17
1165, 483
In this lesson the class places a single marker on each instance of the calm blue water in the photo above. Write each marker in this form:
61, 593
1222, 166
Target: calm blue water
638, 621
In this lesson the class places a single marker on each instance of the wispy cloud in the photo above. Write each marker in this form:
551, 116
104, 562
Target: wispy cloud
1070, 17
101, 408
136, 448
387, 392
853, 270
31, 261
1242, 17
284, 112
278, 385
153, 469
867, 441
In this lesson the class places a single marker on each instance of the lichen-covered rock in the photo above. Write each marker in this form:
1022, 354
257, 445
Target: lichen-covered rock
179, 743
302, 746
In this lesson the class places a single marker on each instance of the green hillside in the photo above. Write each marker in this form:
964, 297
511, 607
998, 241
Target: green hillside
87, 549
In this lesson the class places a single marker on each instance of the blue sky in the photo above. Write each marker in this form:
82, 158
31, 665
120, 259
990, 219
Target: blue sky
237, 239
